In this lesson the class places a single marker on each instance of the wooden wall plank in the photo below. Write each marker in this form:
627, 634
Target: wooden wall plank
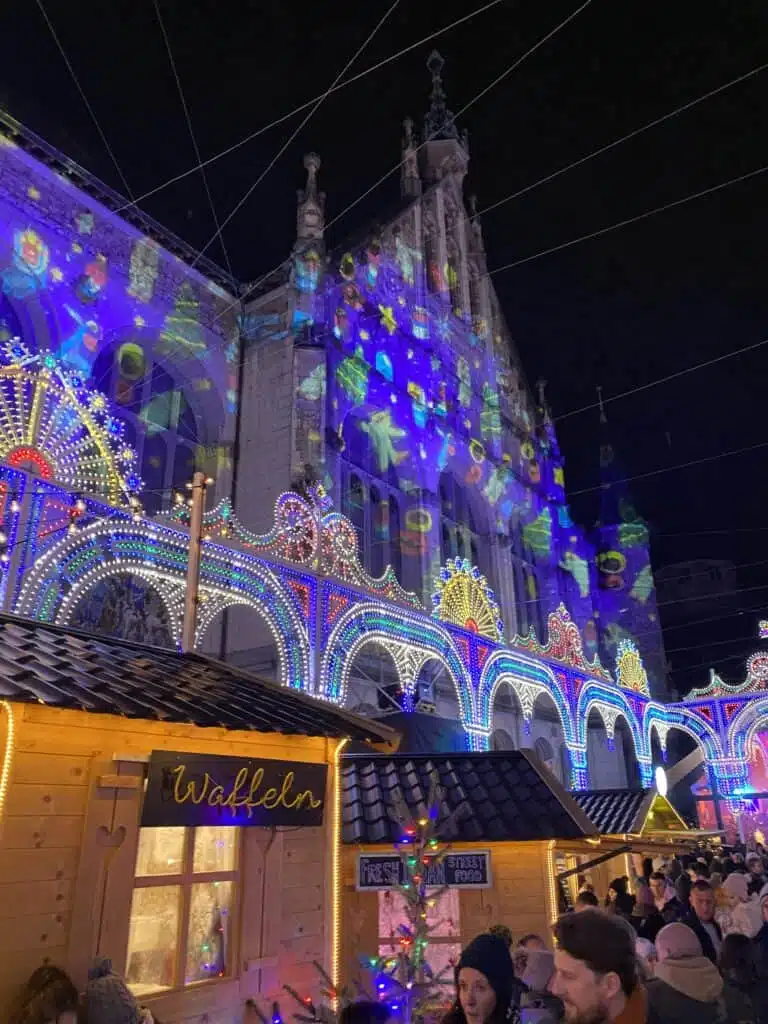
51, 769
27, 798
37, 865
35, 832
36, 932
21, 899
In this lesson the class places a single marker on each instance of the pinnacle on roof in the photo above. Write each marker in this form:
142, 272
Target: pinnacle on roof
439, 122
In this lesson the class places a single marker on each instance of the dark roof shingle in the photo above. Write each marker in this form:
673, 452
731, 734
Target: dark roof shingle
72, 669
614, 811
494, 796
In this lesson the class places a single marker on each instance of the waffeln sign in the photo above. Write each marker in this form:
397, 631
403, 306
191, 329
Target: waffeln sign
202, 789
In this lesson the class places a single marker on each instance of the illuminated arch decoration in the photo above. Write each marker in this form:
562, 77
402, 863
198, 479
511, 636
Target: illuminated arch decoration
756, 681
463, 598
529, 679
742, 728
667, 716
564, 644
630, 671
61, 576
170, 592
610, 703
55, 427
367, 623
305, 532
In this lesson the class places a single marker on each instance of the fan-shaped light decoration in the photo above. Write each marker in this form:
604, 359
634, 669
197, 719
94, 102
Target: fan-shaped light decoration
464, 599
630, 671
54, 426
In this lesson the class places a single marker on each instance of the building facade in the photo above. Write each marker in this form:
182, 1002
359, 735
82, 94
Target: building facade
388, 527
386, 370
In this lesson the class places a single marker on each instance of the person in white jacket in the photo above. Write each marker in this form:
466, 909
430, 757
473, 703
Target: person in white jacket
743, 915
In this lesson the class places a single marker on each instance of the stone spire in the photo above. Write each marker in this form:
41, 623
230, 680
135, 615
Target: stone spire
444, 151
410, 180
439, 122
310, 214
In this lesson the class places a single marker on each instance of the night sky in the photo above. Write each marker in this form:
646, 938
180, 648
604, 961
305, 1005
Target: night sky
641, 302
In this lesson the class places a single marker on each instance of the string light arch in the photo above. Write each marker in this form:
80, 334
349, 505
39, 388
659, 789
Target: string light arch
170, 592
61, 577
605, 700
529, 679
687, 721
365, 623
743, 726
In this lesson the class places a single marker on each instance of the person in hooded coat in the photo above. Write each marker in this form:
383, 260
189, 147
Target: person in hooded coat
739, 965
742, 914
49, 997
487, 991
687, 987
538, 1005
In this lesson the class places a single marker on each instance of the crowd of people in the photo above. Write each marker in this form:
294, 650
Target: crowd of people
690, 946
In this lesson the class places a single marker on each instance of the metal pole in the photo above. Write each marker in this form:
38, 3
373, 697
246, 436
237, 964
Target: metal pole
193, 565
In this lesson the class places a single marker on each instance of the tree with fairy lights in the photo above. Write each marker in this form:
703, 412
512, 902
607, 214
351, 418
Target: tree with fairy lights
404, 978
326, 1012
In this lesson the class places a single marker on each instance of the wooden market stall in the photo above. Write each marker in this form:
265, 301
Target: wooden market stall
633, 824
509, 816
129, 777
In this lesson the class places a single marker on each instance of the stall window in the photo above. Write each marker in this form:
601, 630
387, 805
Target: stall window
443, 921
184, 898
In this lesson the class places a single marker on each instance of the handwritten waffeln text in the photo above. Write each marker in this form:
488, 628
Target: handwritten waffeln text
244, 792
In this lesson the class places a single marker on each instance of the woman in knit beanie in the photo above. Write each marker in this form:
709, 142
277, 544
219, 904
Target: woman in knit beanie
487, 991
108, 1000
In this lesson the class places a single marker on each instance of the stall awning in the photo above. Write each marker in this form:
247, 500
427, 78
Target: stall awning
66, 668
491, 796
621, 812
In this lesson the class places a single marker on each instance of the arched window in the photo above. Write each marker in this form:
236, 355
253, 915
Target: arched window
161, 424
395, 551
459, 535
526, 586
378, 532
355, 507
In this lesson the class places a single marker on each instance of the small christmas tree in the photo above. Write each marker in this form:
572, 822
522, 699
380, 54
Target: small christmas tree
405, 978
327, 1012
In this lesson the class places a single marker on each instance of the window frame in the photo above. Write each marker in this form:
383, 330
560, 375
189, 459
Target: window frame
185, 880
363, 518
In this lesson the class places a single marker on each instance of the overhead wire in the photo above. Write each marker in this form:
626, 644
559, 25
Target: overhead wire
630, 220
475, 99
672, 469
192, 135
304, 121
303, 106
85, 100
663, 380
708, 533
710, 643
508, 70
624, 138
